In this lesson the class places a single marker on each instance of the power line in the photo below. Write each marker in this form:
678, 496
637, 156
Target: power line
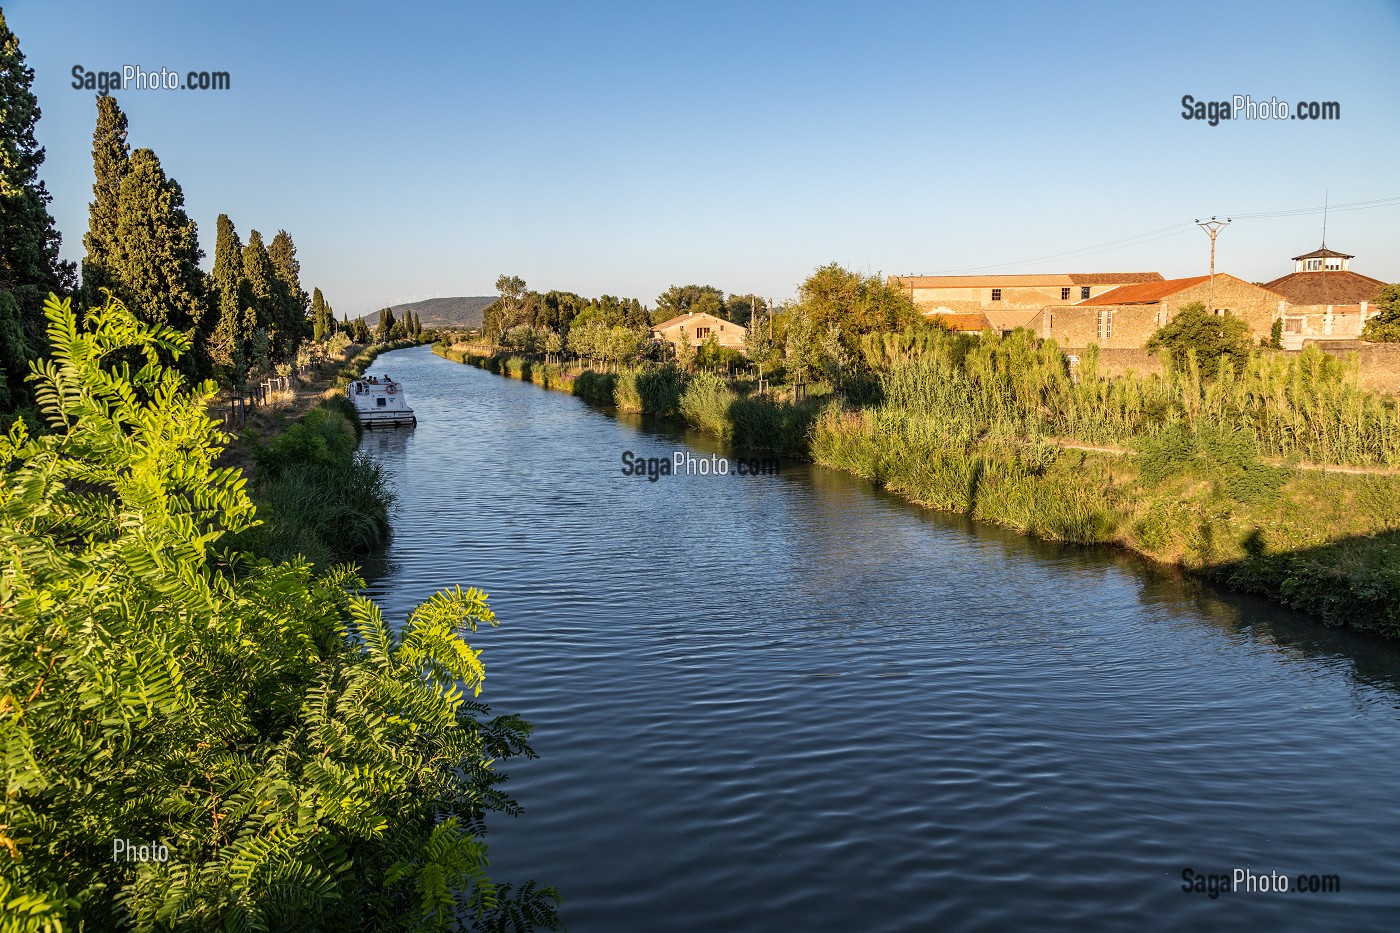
1332, 209
1172, 230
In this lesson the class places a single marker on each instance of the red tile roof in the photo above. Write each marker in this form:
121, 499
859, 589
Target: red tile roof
1326, 288
975, 323
1145, 293
1047, 280
1009, 320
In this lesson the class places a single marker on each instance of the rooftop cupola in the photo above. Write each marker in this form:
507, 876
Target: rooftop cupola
1322, 260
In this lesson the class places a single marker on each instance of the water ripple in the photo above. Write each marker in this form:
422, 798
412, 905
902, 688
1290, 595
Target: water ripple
793, 702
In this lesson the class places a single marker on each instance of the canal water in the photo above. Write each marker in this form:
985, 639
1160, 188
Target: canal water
791, 702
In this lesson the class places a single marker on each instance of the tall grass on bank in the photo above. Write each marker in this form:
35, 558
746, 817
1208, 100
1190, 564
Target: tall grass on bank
651, 390
1194, 495
705, 400
316, 495
939, 462
705, 403
1308, 406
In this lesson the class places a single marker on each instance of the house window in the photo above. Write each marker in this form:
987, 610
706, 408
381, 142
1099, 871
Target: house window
1221, 312
1064, 294
1083, 292
701, 333
1314, 265
1105, 325
996, 294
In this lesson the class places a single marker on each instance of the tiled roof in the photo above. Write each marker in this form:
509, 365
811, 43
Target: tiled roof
1048, 280
691, 316
1145, 293
961, 322
1326, 288
979, 281
1009, 320
1113, 278
1324, 253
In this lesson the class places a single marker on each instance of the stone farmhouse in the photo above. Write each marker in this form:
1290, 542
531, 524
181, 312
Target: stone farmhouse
1326, 300
1321, 301
1127, 316
695, 329
975, 303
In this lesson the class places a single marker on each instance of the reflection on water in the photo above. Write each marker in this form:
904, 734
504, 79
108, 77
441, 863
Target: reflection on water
794, 702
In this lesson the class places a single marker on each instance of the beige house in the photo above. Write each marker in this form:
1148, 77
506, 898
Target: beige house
1127, 316
1017, 294
695, 329
1327, 301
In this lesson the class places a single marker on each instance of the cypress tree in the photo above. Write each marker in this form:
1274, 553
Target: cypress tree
262, 281
321, 322
29, 263
291, 298
229, 302
111, 160
154, 265
386, 324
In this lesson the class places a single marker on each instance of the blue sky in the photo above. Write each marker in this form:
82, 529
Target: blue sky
417, 150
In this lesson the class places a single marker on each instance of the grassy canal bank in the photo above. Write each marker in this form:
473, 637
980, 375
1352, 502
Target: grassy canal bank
315, 494
1279, 479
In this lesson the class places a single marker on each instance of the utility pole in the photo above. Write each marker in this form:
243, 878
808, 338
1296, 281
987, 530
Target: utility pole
1212, 228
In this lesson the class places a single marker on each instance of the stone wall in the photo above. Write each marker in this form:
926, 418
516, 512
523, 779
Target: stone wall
1380, 367
1130, 326
1379, 362
1116, 362
1117, 327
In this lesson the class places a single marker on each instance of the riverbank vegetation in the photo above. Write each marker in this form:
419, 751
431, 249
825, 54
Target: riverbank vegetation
1269, 471
246, 320
280, 755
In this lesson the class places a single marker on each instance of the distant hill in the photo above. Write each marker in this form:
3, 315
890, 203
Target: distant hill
441, 312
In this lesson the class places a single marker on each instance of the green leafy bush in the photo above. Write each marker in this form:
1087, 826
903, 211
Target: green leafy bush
303, 763
706, 401
1211, 338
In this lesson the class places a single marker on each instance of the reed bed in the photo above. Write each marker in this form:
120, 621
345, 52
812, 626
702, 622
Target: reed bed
1308, 407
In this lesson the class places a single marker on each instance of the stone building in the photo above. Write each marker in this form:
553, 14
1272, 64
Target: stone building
998, 294
1327, 301
695, 329
1127, 316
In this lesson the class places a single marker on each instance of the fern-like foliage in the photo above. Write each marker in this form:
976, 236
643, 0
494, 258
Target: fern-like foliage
305, 764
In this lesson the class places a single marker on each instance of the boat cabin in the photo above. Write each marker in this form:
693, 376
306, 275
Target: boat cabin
379, 401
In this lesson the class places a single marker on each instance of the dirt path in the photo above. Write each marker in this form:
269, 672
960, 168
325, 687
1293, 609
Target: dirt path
309, 390
1317, 467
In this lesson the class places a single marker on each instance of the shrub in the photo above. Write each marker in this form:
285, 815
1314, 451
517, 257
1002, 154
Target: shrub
1385, 326
1214, 338
705, 403
306, 764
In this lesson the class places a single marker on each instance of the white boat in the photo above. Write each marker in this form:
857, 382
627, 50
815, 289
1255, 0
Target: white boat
380, 402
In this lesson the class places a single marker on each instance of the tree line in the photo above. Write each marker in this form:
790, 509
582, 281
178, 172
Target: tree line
814, 336
246, 318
